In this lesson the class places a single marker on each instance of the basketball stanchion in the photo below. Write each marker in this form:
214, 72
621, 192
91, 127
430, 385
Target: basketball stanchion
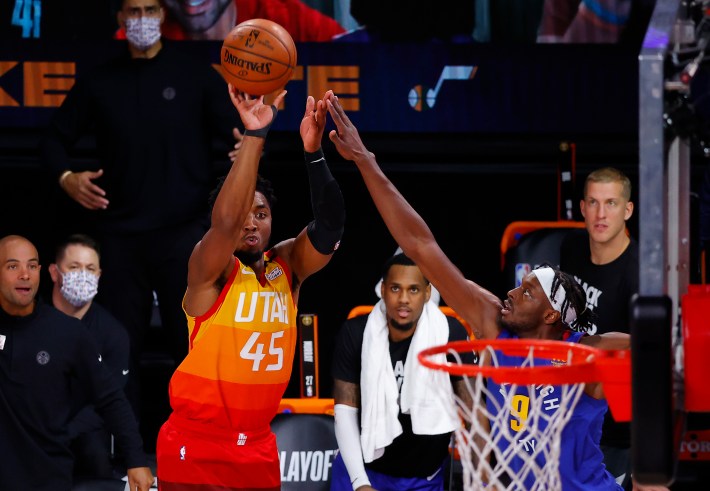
511, 436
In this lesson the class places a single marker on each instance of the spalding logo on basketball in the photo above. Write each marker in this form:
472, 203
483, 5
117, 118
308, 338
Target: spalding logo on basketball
258, 56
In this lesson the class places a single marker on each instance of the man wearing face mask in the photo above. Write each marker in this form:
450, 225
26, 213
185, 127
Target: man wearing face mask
163, 129
50, 368
75, 277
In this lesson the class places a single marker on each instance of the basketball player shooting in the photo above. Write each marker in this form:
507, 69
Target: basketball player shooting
545, 306
241, 303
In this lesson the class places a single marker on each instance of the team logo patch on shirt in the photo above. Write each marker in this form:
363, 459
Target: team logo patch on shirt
274, 274
42, 358
169, 93
242, 439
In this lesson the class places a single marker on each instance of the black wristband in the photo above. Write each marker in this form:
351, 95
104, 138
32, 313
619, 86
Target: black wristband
313, 157
261, 132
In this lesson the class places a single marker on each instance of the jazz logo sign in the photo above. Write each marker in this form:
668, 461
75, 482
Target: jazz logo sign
422, 98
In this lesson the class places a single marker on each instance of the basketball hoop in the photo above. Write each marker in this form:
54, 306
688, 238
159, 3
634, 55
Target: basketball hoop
511, 439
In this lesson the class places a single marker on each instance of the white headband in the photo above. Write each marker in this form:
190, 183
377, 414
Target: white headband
546, 276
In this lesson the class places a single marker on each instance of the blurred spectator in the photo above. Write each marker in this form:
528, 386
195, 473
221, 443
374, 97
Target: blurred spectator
594, 21
214, 19
341, 13
413, 21
156, 113
75, 277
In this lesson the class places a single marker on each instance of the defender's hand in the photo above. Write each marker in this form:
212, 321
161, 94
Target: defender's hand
346, 137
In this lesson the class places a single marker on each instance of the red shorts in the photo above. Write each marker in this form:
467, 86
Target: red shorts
192, 456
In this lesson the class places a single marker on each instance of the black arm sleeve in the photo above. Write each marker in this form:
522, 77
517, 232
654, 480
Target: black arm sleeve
328, 206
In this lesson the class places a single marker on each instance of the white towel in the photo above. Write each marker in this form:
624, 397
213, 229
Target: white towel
379, 425
427, 394
421, 389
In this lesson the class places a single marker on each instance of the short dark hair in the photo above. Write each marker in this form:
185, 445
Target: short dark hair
397, 260
76, 239
263, 185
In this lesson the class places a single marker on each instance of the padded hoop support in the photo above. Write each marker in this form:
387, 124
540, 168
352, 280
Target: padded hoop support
652, 448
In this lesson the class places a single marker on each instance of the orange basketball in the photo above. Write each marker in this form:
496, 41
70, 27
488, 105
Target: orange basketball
258, 56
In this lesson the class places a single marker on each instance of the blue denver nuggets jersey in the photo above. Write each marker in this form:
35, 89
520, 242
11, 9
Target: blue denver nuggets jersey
581, 460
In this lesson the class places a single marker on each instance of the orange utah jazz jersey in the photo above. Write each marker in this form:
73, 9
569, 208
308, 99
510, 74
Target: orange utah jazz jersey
241, 351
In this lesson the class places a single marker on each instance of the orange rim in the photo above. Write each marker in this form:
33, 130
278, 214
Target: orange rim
579, 363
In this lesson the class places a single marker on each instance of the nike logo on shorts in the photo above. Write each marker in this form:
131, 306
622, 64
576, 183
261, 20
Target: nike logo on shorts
429, 478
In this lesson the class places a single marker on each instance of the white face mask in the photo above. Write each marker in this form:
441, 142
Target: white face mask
143, 32
79, 287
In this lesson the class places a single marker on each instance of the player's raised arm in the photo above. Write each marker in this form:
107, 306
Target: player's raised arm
213, 255
479, 307
314, 246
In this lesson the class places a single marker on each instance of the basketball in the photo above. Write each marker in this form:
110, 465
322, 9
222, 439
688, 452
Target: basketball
258, 56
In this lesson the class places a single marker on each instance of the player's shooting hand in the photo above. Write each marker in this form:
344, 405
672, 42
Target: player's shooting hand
346, 137
254, 113
238, 137
313, 123
80, 188
139, 478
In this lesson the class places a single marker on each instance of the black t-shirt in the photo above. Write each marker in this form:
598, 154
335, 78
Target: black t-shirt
112, 339
409, 455
44, 358
609, 289
154, 128
113, 343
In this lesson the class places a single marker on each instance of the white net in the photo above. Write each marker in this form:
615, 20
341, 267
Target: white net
511, 435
